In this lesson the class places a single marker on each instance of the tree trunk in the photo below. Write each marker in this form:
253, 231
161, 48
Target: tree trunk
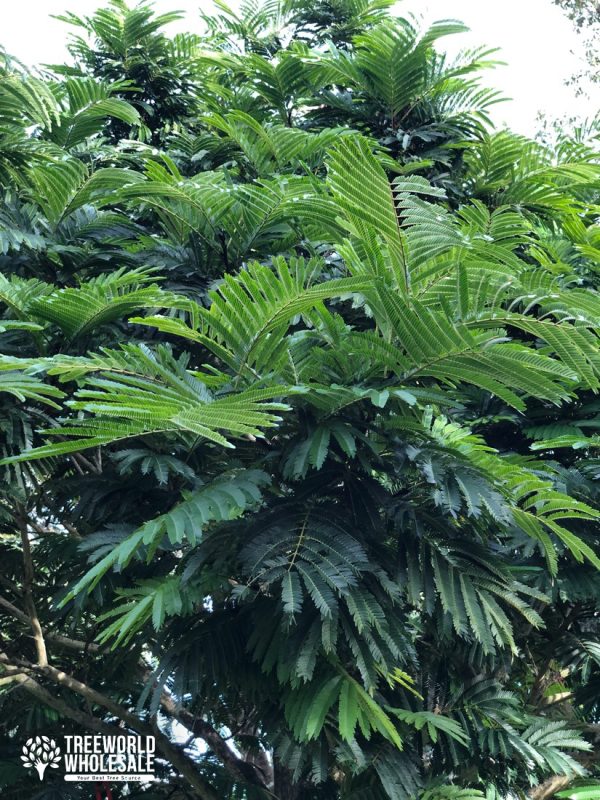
285, 788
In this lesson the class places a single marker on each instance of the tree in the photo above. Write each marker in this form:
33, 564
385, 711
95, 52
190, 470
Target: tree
298, 417
585, 16
125, 46
581, 12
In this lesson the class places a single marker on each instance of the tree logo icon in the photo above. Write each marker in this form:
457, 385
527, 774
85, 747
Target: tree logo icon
40, 753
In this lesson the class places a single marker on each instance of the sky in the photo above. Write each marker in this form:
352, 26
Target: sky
536, 41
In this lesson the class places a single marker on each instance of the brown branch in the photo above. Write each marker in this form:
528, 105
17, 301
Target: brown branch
556, 783
186, 767
550, 787
258, 757
181, 762
38, 636
42, 531
79, 458
51, 700
71, 529
21, 675
238, 768
75, 464
10, 675
72, 644
260, 774
8, 606
56, 638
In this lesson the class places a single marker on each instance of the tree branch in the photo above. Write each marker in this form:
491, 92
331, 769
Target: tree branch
62, 641
181, 762
38, 636
238, 768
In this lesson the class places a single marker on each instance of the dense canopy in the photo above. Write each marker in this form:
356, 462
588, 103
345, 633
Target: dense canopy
299, 415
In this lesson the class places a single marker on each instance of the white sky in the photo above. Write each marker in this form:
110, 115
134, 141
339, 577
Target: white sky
536, 40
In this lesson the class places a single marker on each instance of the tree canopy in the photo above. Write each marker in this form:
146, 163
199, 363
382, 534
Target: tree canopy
585, 16
299, 372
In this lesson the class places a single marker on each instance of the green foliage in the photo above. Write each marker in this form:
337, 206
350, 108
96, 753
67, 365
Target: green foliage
299, 366
223, 499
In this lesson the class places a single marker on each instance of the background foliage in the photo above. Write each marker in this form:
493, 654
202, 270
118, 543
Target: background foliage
299, 419
585, 16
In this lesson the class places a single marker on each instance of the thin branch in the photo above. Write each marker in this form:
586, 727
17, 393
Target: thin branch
42, 531
56, 638
238, 768
556, 783
71, 529
14, 611
51, 700
181, 762
38, 636
10, 675
21, 676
